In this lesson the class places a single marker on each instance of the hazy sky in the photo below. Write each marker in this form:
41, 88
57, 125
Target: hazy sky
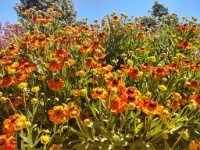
97, 9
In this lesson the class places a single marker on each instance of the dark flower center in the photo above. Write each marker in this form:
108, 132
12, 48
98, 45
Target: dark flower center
2, 142
56, 80
115, 82
99, 91
130, 90
152, 104
104, 64
131, 97
14, 119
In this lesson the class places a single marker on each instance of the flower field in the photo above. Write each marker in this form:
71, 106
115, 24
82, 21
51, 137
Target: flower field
114, 84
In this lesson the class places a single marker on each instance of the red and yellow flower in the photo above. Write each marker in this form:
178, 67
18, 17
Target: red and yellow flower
58, 115
13, 123
56, 84
99, 93
7, 143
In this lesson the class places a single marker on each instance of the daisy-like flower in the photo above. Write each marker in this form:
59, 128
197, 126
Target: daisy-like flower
194, 145
12, 50
195, 98
115, 85
160, 70
151, 107
54, 65
135, 73
72, 109
193, 84
7, 143
58, 115
117, 104
25, 66
7, 81
185, 45
90, 63
99, 93
56, 84
13, 123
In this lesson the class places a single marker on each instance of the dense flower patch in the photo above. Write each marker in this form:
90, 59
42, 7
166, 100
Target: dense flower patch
114, 85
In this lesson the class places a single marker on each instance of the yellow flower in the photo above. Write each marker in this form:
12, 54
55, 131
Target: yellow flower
45, 139
23, 85
35, 89
11, 71
185, 135
162, 87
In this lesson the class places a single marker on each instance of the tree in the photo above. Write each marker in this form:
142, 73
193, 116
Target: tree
158, 10
65, 7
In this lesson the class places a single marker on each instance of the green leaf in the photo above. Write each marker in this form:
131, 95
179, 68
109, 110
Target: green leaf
167, 147
138, 128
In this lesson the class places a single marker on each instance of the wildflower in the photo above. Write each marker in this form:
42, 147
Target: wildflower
25, 66
58, 115
41, 77
54, 65
81, 73
76, 92
34, 101
185, 135
162, 87
16, 100
160, 70
165, 136
85, 119
99, 93
195, 98
7, 143
135, 73
13, 124
22, 85
185, 45
194, 145
7, 81
90, 63
72, 109
45, 139
56, 84
55, 147
151, 107
117, 104
193, 84
35, 89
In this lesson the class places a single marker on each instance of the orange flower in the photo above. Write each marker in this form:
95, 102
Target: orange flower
145, 66
55, 147
132, 95
7, 81
117, 105
90, 63
61, 53
12, 50
114, 84
174, 67
160, 71
194, 145
86, 49
16, 100
21, 77
99, 93
184, 45
54, 65
193, 84
25, 66
185, 27
56, 84
195, 98
7, 143
13, 123
58, 115
104, 68
151, 107
135, 73
73, 109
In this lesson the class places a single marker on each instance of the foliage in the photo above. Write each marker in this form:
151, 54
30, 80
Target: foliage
63, 8
118, 85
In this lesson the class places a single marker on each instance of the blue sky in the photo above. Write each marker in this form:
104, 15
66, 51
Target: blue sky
97, 9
